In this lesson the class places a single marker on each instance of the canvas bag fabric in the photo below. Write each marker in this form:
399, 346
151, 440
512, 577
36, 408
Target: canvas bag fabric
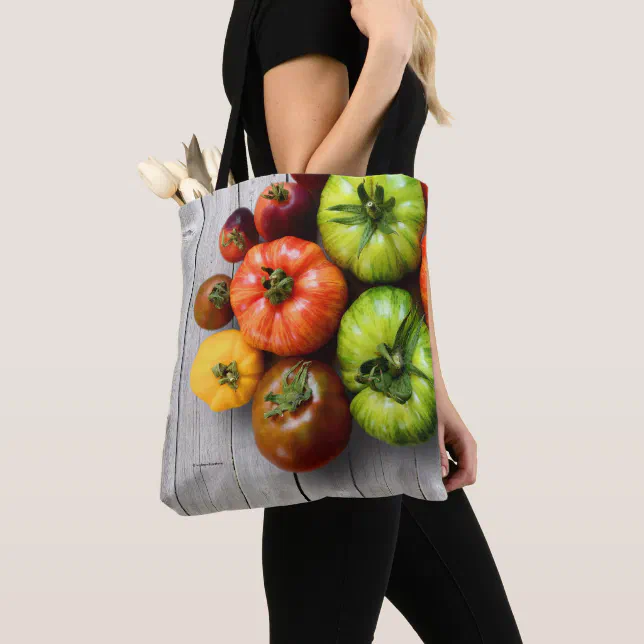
211, 461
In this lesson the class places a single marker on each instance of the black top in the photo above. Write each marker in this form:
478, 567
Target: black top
285, 29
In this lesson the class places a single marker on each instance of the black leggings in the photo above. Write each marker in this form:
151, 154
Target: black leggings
329, 564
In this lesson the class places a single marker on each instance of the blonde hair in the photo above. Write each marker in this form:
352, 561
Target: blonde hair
423, 62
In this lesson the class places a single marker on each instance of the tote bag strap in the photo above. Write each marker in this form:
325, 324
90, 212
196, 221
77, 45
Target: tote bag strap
233, 157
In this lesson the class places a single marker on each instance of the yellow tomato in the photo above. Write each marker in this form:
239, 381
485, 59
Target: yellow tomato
226, 370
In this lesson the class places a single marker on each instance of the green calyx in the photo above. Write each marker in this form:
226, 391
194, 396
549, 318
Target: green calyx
228, 374
373, 212
293, 393
235, 237
277, 192
220, 295
279, 285
390, 373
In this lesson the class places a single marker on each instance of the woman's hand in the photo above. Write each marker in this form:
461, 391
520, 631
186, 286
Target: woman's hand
455, 437
391, 23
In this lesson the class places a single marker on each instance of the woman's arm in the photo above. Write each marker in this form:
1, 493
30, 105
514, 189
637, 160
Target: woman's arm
313, 125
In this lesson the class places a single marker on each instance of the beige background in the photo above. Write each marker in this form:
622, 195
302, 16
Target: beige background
535, 244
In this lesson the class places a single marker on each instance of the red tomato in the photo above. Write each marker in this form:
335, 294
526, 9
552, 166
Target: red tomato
424, 278
212, 305
285, 209
288, 297
237, 235
301, 416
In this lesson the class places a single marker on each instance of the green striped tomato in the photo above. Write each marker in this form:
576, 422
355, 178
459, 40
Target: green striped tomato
373, 226
371, 323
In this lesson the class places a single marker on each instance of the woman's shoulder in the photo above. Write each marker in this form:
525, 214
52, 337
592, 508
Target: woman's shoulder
286, 29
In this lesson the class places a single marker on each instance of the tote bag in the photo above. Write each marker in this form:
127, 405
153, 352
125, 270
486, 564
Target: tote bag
321, 384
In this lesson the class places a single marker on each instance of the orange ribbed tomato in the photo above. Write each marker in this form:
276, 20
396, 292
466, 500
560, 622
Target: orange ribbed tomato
424, 277
288, 297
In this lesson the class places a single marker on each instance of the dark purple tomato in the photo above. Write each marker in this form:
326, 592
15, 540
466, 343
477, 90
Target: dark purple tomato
283, 210
301, 416
238, 235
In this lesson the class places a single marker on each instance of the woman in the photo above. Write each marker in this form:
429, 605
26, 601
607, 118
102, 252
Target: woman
320, 79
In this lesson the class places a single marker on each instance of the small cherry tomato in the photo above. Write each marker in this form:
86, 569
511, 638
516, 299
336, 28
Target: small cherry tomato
238, 235
212, 308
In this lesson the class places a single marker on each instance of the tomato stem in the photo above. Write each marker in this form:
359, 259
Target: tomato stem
234, 237
228, 374
293, 394
279, 286
374, 213
220, 295
394, 359
372, 210
277, 192
390, 373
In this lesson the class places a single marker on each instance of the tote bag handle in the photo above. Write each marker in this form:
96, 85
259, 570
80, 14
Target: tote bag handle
233, 157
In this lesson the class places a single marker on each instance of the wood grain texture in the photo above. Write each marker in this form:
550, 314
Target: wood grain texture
210, 460
334, 479
428, 466
366, 464
179, 485
213, 464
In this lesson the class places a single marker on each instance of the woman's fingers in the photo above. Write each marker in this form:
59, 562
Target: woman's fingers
465, 452
456, 439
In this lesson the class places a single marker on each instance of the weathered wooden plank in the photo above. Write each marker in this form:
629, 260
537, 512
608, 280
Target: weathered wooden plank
366, 464
399, 467
263, 484
168, 492
334, 479
208, 437
428, 466
179, 486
